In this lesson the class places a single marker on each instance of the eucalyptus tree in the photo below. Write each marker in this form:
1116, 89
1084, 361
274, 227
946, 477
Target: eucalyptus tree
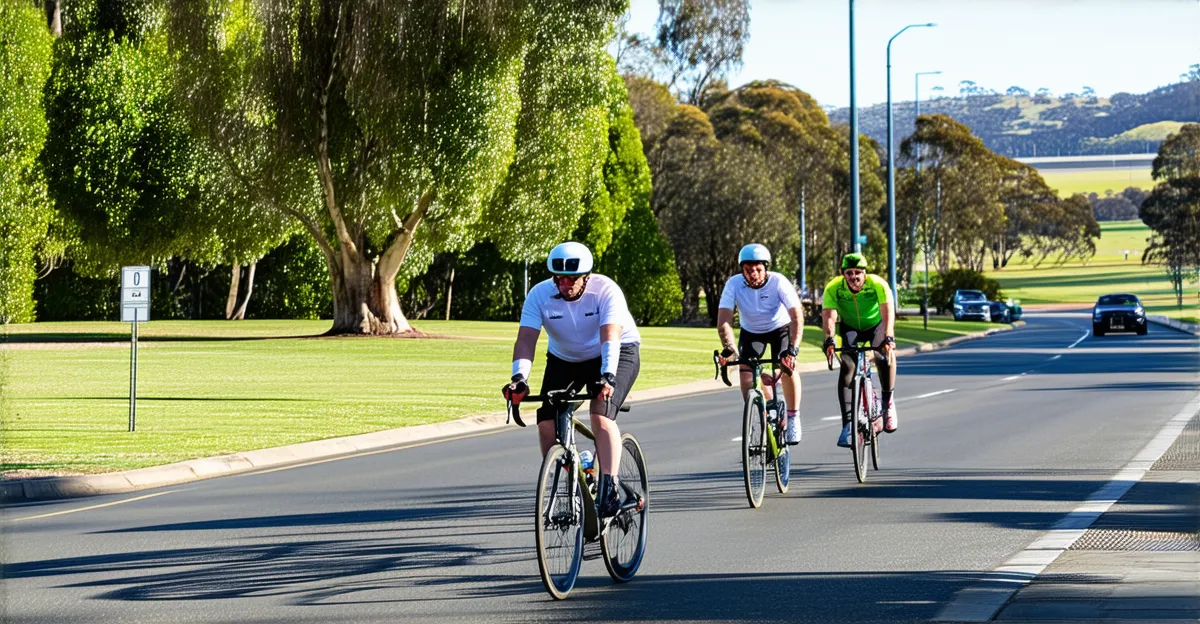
390, 131
1172, 209
25, 213
699, 41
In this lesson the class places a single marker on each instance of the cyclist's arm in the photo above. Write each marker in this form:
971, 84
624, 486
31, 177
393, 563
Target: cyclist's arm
828, 319
725, 327
796, 327
888, 318
524, 347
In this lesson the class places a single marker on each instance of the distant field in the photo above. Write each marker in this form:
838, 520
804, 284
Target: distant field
1108, 272
1096, 180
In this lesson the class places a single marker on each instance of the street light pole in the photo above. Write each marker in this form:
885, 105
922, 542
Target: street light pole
855, 245
891, 168
912, 232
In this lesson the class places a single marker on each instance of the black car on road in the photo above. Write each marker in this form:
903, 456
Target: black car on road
1118, 313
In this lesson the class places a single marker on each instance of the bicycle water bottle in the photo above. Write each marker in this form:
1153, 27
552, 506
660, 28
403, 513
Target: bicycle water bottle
587, 461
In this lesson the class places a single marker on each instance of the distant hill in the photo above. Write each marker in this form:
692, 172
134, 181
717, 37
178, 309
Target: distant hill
1022, 125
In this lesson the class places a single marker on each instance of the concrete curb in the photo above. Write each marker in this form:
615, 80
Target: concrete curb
1166, 321
50, 488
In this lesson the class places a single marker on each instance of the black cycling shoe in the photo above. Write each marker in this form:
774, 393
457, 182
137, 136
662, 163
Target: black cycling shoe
609, 499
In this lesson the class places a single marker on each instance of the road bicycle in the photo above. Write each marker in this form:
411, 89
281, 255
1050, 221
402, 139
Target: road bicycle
759, 416
865, 411
566, 514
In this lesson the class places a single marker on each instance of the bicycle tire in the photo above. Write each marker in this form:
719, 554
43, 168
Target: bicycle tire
858, 449
754, 454
783, 469
558, 523
624, 543
875, 434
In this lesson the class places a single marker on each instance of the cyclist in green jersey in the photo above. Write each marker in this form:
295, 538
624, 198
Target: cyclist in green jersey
863, 305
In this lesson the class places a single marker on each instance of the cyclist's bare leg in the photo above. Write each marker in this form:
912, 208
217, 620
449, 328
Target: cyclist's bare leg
791, 390
746, 376
546, 437
608, 440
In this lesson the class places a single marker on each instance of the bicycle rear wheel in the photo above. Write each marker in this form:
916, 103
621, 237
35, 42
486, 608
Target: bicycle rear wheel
783, 468
858, 449
754, 448
559, 523
874, 433
624, 542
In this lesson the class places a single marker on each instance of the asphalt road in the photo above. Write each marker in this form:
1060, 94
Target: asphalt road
998, 439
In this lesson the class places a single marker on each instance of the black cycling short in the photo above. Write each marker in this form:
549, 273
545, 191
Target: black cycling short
559, 373
754, 345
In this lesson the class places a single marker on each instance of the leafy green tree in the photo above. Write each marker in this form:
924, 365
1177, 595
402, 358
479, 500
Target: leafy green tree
25, 213
132, 183
391, 131
1172, 209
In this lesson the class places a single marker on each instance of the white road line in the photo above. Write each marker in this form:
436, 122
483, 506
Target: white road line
1013, 378
831, 418
1056, 357
70, 511
1085, 335
931, 394
982, 601
737, 439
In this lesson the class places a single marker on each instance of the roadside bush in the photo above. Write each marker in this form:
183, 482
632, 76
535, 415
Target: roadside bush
291, 282
642, 263
942, 289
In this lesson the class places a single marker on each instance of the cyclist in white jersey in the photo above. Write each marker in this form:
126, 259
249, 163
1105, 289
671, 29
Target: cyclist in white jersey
593, 342
770, 314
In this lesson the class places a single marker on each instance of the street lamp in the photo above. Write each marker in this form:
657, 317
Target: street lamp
855, 241
891, 169
912, 232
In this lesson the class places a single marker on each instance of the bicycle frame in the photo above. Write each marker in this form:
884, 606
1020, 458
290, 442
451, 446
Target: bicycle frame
756, 365
566, 401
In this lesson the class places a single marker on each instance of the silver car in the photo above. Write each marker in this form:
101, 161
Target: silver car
971, 305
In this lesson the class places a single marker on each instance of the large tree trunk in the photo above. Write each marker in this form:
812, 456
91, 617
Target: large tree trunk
365, 302
240, 314
235, 277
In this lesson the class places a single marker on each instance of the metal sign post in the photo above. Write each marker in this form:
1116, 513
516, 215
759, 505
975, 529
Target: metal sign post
135, 308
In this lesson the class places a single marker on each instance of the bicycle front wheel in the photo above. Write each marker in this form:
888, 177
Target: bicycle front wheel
624, 542
858, 449
754, 448
559, 523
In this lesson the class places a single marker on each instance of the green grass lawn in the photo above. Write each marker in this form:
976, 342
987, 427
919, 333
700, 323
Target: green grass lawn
216, 387
1110, 271
1068, 181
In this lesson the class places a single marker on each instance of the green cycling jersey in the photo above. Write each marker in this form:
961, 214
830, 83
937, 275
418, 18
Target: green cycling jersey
857, 310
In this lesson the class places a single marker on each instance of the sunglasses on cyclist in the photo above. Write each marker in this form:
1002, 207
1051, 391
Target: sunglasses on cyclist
566, 280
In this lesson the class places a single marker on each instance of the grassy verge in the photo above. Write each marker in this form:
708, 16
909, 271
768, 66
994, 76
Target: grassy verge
1116, 268
210, 388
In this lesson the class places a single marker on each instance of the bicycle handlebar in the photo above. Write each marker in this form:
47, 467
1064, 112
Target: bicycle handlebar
553, 397
853, 348
723, 369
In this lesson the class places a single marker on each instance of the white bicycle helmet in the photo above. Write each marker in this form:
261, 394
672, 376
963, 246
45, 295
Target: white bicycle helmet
754, 253
570, 258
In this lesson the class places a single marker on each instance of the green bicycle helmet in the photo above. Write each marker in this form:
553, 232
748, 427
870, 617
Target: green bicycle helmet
854, 261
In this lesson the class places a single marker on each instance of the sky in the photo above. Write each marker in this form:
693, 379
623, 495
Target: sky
1110, 45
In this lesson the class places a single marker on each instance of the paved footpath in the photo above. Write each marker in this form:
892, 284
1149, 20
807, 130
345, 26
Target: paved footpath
1139, 562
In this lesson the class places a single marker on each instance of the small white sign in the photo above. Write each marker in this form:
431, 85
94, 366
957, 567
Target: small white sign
135, 313
135, 294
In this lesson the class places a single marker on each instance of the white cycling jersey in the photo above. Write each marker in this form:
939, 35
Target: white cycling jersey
761, 309
574, 326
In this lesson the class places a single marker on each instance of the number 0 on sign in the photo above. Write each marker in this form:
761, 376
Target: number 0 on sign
135, 294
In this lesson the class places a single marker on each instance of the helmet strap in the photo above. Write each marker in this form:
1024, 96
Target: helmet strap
582, 290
